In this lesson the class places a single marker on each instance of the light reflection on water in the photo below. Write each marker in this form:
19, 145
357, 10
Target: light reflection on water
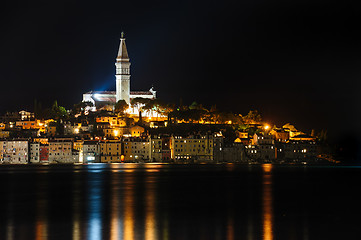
94, 207
41, 231
148, 201
128, 206
150, 208
267, 202
116, 224
76, 209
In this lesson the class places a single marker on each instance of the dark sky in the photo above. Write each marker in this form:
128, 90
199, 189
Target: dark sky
294, 61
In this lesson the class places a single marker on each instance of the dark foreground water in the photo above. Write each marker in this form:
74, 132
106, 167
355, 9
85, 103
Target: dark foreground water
170, 202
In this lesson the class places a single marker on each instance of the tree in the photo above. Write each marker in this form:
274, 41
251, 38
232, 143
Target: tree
139, 101
253, 117
120, 106
58, 111
80, 107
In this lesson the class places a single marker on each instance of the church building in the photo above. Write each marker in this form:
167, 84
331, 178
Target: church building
122, 76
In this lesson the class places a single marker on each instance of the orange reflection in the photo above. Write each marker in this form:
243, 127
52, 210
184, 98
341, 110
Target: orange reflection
114, 218
128, 206
230, 227
41, 226
150, 208
267, 202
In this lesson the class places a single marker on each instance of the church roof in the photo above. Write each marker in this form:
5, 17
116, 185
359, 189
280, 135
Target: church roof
102, 92
140, 93
122, 52
113, 92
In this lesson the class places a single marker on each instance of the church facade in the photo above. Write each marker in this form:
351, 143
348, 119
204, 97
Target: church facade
122, 83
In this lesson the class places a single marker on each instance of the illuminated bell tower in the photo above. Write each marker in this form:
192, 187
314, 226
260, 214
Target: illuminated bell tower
122, 72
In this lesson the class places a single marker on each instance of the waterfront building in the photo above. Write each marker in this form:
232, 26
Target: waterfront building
156, 149
15, 151
34, 156
2, 151
111, 151
78, 145
61, 151
140, 150
160, 149
192, 147
91, 152
262, 147
44, 152
233, 153
127, 149
294, 150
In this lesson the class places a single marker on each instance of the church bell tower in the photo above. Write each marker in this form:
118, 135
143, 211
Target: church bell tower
122, 72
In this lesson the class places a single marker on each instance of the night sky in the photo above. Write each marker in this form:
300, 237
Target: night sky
294, 61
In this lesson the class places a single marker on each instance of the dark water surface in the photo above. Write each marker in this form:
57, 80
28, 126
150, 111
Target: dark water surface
170, 202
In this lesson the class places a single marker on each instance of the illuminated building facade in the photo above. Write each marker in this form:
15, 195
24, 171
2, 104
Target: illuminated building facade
34, 152
91, 152
14, 152
110, 151
61, 151
197, 148
44, 152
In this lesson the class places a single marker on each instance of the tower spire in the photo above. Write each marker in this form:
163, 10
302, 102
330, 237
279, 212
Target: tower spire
122, 52
122, 72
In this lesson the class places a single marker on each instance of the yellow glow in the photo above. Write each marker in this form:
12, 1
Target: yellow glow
128, 207
230, 227
41, 224
76, 130
150, 220
114, 219
116, 133
267, 202
266, 127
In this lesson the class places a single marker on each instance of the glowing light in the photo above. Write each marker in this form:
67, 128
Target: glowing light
150, 204
97, 96
128, 233
267, 202
266, 127
116, 133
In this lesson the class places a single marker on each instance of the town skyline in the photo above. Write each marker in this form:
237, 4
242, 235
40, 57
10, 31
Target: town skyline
302, 71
